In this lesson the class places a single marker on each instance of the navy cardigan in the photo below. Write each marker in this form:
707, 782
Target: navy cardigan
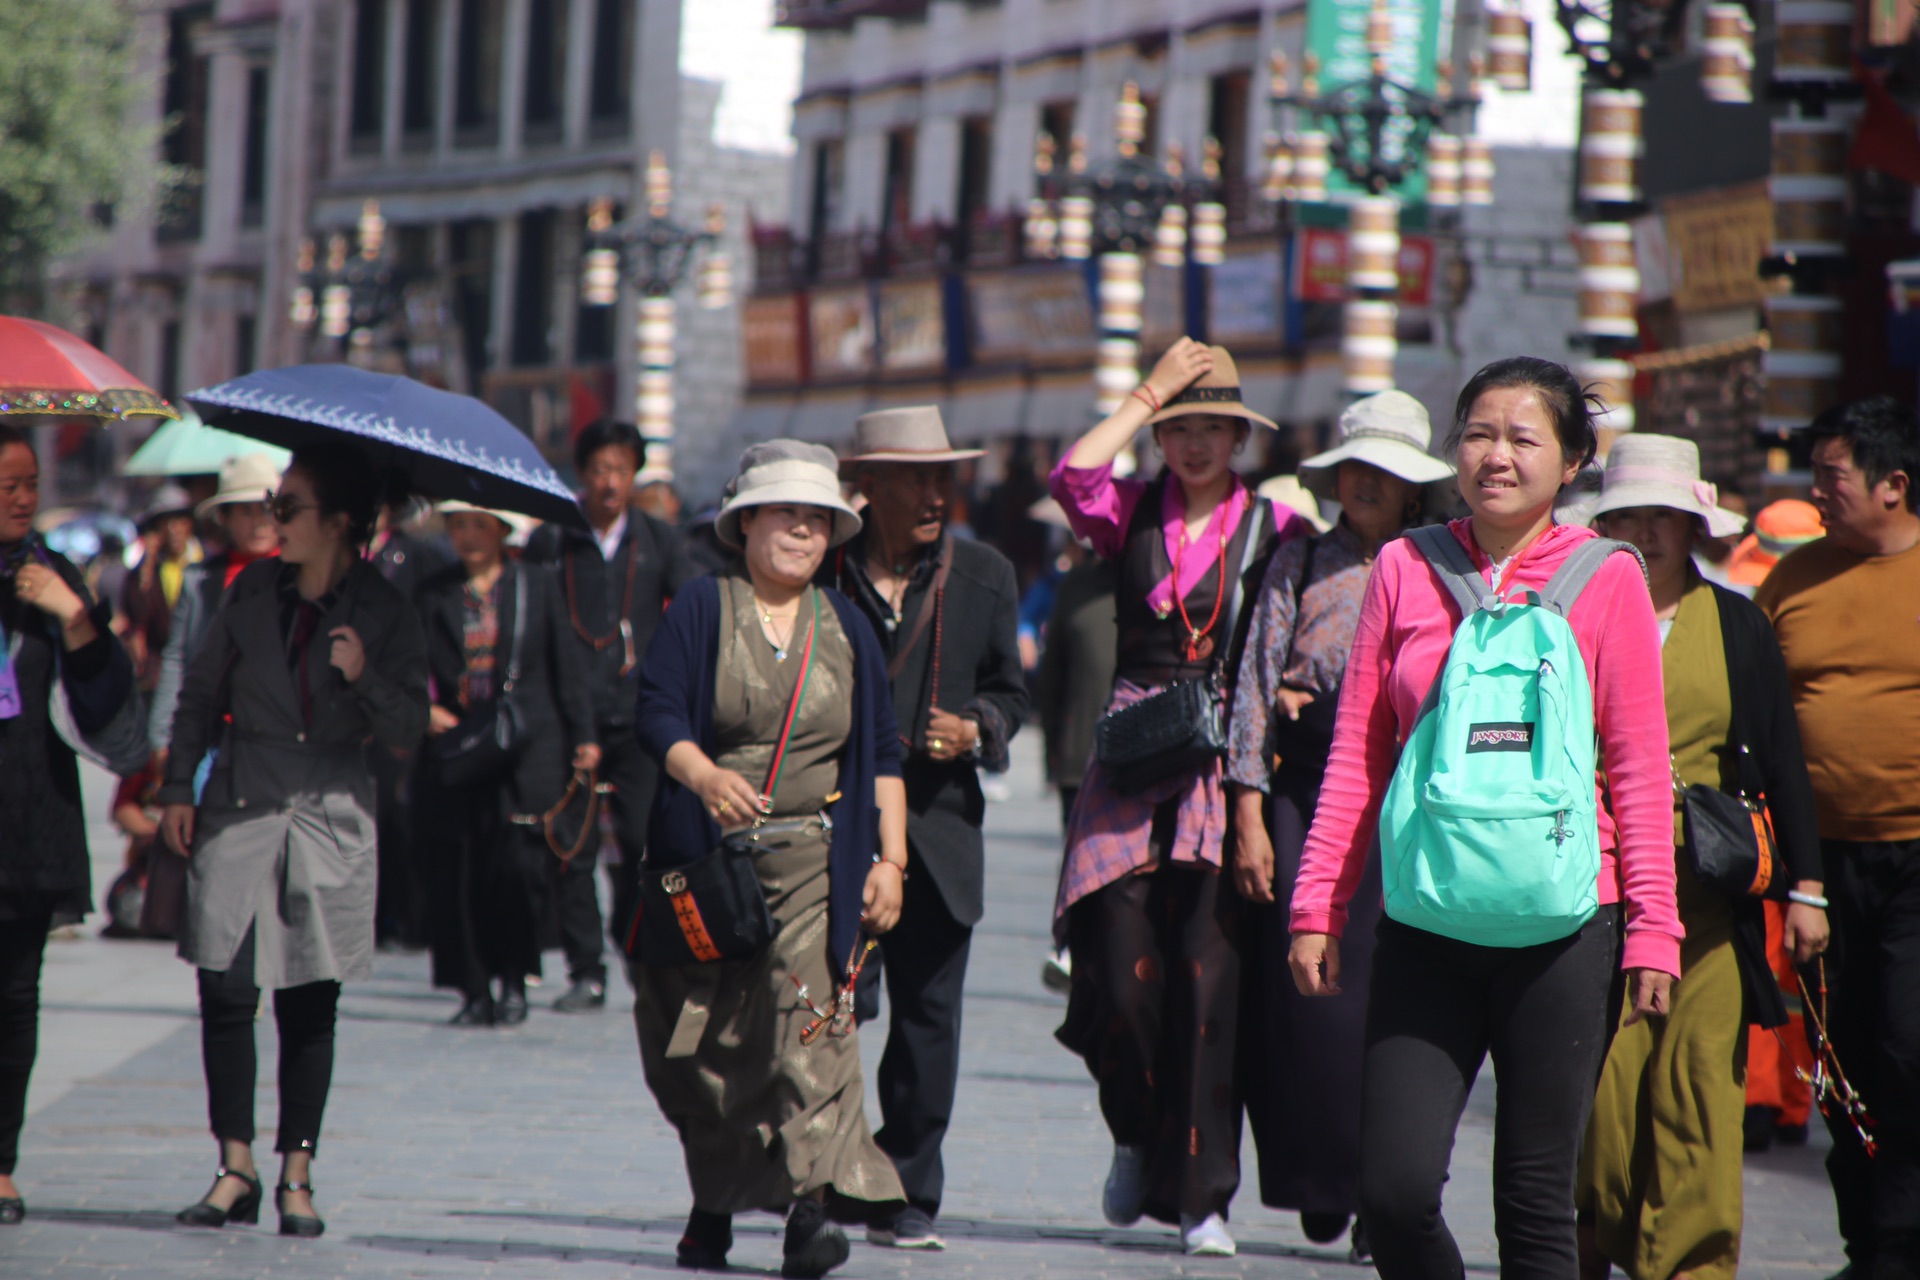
675, 704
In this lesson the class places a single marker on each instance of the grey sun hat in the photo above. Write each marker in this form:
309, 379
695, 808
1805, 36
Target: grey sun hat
168, 500
1389, 430
914, 434
1664, 471
779, 471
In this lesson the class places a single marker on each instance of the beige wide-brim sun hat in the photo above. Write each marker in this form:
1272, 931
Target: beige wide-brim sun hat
1664, 471
246, 477
1286, 491
785, 471
1215, 391
518, 526
1389, 430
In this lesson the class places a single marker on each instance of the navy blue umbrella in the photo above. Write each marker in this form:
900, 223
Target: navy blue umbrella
448, 445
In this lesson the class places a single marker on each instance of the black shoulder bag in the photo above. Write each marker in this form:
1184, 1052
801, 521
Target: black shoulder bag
493, 733
713, 908
1182, 727
1730, 840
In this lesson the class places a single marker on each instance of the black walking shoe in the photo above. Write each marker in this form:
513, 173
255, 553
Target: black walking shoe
513, 1004
1757, 1128
584, 996
911, 1228
245, 1209
1323, 1228
704, 1244
813, 1246
1360, 1251
478, 1011
13, 1211
296, 1224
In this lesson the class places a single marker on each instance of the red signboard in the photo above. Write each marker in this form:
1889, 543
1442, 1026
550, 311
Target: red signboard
1320, 267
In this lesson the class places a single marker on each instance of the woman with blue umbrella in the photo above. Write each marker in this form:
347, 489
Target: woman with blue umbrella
312, 655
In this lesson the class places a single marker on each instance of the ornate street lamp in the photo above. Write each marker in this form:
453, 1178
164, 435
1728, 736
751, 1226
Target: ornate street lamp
1376, 132
656, 255
350, 293
1115, 210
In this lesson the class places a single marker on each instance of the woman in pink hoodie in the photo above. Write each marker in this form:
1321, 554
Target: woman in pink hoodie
1438, 1006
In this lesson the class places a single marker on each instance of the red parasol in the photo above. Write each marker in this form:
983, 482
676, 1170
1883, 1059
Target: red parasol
46, 370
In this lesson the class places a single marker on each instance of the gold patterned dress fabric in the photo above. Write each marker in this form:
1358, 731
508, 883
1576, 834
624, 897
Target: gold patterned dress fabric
763, 1120
1660, 1171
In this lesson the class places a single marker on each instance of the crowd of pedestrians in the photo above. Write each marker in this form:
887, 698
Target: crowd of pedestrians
1443, 751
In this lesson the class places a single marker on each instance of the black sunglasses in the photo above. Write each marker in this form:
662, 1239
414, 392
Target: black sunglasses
285, 508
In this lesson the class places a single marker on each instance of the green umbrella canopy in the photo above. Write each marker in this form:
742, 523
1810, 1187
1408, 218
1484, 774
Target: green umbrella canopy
191, 448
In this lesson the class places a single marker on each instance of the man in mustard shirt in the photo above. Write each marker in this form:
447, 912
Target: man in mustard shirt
1847, 611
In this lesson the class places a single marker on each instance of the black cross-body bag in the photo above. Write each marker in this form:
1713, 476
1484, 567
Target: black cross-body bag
1182, 727
490, 738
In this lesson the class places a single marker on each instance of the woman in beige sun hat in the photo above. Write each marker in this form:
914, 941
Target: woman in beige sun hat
1307, 1053
1659, 1189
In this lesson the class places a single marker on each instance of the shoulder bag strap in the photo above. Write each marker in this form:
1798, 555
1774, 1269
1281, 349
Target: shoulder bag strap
779, 761
1572, 577
928, 607
1256, 515
519, 628
1439, 548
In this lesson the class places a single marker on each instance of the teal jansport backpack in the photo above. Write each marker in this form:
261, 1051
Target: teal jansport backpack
1488, 833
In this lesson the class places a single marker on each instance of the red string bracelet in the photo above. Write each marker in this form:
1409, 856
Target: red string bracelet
1149, 399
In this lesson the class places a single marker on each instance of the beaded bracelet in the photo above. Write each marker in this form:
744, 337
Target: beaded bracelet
1806, 899
878, 860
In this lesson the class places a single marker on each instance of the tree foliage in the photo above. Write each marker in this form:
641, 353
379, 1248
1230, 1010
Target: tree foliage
67, 75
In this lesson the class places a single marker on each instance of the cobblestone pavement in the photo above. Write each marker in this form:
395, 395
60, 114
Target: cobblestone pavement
538, 1152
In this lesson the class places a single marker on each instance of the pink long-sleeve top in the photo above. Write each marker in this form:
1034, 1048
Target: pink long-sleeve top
1407, 621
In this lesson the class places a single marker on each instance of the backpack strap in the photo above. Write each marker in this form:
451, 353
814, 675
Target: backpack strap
1437, 545
1572, 577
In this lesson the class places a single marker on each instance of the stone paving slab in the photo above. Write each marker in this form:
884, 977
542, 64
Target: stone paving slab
537, 1151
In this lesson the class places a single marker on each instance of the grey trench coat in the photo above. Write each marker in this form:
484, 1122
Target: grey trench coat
284, 838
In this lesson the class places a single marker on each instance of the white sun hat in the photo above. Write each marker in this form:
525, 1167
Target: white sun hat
785, 471
1664, 471
1389, 430
1287, 491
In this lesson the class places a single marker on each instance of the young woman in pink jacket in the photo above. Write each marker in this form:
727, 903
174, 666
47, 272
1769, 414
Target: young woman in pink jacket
1438, 1006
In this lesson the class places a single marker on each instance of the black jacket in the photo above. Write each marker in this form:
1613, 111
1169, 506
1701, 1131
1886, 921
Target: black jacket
551, 694
406, 559
43, 819
591, 592
979, 676
1765, 738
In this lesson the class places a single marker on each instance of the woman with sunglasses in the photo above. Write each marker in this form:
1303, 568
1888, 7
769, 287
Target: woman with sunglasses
312, 656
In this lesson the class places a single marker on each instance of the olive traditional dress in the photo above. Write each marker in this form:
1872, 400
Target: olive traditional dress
763, 1119
1660, 1170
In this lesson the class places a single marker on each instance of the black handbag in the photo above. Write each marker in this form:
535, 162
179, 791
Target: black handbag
1182, 727
489, 739
713, 909
1730, 841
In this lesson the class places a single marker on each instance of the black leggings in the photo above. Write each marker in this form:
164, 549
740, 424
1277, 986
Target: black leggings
304, 1016
22, 943
1436, 1008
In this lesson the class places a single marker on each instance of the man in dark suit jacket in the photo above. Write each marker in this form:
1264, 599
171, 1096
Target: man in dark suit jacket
615, 583
946, 610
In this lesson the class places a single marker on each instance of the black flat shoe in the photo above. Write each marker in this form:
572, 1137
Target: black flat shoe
704, 1244
246, 1209
296, 1224
1323, 1228
513, 1006
1360, 1251
478, 1011
813, 1245
13, 1211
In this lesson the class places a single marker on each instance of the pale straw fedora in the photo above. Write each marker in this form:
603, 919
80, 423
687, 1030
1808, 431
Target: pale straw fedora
914, 434
1286, 491
518, 526
1215, 391
245, 477
785, 471
1663, 471
1389, 430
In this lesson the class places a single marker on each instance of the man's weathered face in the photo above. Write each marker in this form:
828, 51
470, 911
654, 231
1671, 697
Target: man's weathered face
607, 482
908, 499
1853, 510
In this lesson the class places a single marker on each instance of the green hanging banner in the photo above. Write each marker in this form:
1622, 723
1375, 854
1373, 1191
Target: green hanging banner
1337, 34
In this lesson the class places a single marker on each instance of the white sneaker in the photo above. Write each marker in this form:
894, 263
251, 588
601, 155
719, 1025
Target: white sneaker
1207, 1238
1056, 971
1126, 1186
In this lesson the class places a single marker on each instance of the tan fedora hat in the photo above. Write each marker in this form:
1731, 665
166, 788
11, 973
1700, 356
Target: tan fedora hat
1663, 471
1215, 391
785, 471
916, 433
245, 477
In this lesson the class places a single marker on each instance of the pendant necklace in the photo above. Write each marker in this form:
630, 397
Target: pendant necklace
766, 629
